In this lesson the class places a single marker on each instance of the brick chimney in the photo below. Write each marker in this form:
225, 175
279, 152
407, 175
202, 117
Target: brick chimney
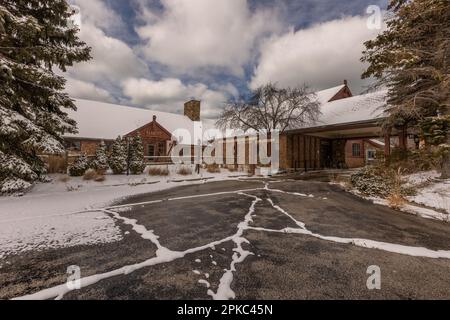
192, 110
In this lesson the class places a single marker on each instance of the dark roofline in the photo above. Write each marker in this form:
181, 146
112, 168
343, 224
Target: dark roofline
334, 127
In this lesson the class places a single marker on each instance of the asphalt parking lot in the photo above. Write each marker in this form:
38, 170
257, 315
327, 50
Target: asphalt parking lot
247, 239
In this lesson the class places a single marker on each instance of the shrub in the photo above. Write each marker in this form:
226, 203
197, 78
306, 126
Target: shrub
396, 201
158, 171
137, 160
90, 174
118, 158
213, 168
380, 182
184, 171
100, 162
79, 166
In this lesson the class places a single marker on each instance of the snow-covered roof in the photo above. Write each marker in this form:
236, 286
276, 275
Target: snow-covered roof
366, 107
326, 95
98, 120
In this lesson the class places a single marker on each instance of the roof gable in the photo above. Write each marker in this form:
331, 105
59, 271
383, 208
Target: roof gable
151, 126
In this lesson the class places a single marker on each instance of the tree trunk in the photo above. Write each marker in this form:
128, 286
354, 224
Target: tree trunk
445, 166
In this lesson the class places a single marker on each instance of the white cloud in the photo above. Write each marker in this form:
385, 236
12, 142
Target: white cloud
203, 33
170, 94
95, 12
321, 56
85, 90
112, 59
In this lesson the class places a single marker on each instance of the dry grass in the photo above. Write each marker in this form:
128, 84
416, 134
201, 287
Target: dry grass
232, 169
396, 201
158, 171
89, 175
184, 171
99, 177
213, 168
338, 179
65, 178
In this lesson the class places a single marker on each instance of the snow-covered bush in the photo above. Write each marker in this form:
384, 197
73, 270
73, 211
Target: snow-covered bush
79, 166
380, 182
100, 162
118, 158
14, 185
137, 160
15, 174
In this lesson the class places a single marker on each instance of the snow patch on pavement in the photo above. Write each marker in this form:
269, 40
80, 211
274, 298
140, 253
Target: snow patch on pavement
88, 228
224, 291
364, 243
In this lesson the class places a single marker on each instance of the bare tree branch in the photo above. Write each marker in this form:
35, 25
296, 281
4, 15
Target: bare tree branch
271, 108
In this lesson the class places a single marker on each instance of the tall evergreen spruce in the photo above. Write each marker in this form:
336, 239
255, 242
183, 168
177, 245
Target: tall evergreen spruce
36, 37
137, 163
118, 157
412, 58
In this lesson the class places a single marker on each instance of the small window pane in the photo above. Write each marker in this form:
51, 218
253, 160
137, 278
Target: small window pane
356, 148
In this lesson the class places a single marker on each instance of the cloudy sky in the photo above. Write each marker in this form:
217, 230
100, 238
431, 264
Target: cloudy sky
157, 54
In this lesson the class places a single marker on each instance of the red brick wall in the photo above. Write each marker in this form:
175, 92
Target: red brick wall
153, 134
351, 160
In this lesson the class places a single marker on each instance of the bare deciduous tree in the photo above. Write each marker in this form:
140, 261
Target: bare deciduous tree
271, 108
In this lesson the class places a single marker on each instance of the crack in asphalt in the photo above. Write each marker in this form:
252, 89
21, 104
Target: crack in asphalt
224, 291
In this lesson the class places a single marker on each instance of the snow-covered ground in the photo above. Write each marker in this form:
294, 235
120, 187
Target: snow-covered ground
66, 213
432, 192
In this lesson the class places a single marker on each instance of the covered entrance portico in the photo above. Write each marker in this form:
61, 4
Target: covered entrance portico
337, 146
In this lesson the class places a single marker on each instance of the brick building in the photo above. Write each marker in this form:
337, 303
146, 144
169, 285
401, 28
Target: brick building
160, 131
347, 133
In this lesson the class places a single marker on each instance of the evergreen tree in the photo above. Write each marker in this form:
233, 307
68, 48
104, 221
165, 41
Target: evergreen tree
118, 157
137, 160
35, 36
79, 166
411, 58
100, 163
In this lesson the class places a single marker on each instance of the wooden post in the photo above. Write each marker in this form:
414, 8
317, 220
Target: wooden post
387, 144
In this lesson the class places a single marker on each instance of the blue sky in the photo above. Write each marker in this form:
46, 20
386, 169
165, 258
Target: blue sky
159, 53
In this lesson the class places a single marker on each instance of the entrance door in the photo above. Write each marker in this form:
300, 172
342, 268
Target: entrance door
325, 154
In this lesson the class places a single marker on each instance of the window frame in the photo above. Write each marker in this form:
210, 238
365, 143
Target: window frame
356, 150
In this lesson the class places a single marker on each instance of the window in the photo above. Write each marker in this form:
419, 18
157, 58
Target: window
151, 150
73, 145
161, 149
371, 155
356, 150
